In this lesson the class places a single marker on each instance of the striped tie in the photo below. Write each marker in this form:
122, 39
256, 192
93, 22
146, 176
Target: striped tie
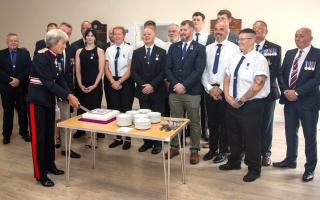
294, 72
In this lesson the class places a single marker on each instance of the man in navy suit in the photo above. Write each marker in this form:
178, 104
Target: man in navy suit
186, 61
40, 44
299, 82
272, 52
148, 71
14, 78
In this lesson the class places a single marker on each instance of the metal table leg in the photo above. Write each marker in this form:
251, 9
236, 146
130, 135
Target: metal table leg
168, 181
164, 168
184, 154
181, 159
68, 150
93, 149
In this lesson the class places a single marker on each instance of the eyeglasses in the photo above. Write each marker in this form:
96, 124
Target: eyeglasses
241, 39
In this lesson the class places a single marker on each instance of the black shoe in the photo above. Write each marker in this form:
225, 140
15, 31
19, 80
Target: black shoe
210, 155
205, 136
145, 147
26, 138
266, 161
78, 134
285, 164
228, 166
6, 140
57, 146
308, 176
101, 135
156, 149
220, 158
46, 182
72, 154
116, 143
250, 177
126, 145
56, 171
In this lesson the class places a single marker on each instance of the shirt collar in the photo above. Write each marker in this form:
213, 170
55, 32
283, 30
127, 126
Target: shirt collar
12, 50
250, 54
223, 42
261, 44
307, 49
151, 47
121, 45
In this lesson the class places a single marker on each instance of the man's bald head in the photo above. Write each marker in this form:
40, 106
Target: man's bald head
303, 37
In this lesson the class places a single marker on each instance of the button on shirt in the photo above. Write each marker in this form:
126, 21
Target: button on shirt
253, 65
304, 54
125, 56
202, 38
228, 51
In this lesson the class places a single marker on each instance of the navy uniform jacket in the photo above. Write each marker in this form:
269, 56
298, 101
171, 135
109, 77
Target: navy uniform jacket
40, 44
272, 52
188, 71
307, 85
46, 80
154, 73
21, 72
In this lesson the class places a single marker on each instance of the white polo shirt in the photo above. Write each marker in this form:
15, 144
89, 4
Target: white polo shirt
125, 56
228, 51
253, 65
202, 38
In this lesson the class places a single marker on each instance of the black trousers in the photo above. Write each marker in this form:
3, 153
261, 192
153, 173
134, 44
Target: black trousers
122, 99
216, 112
9, 103
156, 106
204, 117
267, 127
42, 123
245, 122
293, 113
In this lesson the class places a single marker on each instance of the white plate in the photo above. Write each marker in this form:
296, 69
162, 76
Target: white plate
144, 111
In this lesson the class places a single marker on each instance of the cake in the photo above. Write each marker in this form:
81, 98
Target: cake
100, 115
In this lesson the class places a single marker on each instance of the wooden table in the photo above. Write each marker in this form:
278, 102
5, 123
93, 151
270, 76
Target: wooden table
154, 133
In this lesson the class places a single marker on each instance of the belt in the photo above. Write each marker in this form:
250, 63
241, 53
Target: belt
35, 81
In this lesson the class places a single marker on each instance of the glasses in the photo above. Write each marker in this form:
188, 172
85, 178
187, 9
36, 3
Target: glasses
242, 39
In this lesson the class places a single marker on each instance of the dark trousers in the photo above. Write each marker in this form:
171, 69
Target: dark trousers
204, 117
42, 123
216, 111
122, 99
293, 113
245, 122
267, 127
9, 103
156, 106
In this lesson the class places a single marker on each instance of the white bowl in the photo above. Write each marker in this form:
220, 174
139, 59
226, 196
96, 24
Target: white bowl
155, 117
144, 111
124, 120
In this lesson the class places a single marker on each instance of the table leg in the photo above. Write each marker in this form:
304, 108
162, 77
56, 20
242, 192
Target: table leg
93, 149
168, 181
68, 150
181, 158
164, 168
184, 154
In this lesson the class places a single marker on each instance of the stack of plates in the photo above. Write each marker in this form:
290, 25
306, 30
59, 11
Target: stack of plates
132, 113
155, 117
124, 120
139, 116
144, 111
142, 123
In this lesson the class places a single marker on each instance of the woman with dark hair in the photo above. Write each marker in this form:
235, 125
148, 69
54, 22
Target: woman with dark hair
46, 83
89, 70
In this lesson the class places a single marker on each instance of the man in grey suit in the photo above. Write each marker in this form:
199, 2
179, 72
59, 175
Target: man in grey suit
186, 61
226, 17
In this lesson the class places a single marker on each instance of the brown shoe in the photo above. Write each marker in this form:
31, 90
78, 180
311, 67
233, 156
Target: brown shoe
173, 153
266, 161
194, 158
205, 145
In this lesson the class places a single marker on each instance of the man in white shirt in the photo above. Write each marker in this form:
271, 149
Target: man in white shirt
219, 55
246, 84
199, 35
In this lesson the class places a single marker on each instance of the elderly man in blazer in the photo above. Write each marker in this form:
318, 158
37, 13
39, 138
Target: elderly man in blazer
186, 61
148, 71
272, 52
14, 78
299, 82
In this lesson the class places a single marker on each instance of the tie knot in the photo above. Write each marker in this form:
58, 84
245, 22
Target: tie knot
118, 48
148, 48
301, 51
14, 51
197, 34
219, 45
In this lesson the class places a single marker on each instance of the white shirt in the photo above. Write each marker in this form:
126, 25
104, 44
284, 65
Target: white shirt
253, 65
228, 51
260, 45
188, 44
304, 54
202, 38
125, 56
157, 42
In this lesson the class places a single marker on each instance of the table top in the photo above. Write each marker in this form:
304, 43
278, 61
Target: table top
154, 133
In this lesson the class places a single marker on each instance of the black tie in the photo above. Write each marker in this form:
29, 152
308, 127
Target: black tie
197, 37
148, 55
216, 59
257, 47
235, 77
116, 62
184, 50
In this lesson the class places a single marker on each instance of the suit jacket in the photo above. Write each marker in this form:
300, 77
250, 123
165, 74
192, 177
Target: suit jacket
152, 73
40, 44
272, 52
307, 85
52, 83
187, 71
21, 72
232, 37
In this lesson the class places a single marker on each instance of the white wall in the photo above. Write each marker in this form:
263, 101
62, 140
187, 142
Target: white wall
29, 18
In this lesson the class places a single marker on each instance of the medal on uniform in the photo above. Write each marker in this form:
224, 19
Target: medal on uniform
92, 55
157, 57
191, 47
